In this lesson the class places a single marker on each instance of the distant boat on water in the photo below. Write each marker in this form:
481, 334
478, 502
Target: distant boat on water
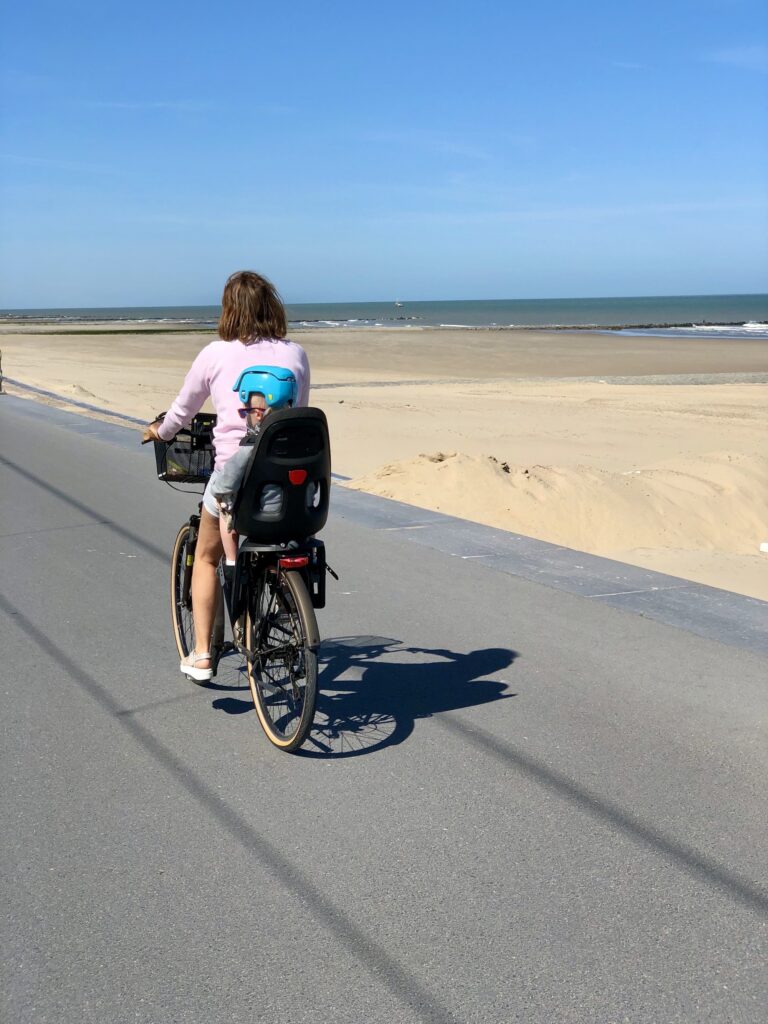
398, 303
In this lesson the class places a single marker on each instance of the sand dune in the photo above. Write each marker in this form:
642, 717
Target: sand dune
689, 508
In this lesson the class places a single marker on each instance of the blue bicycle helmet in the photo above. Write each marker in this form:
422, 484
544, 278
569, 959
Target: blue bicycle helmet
277, 384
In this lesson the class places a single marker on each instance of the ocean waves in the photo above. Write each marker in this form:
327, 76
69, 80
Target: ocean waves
715, 316
751, 329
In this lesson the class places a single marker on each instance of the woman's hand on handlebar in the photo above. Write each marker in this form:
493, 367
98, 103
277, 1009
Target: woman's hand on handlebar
150, 432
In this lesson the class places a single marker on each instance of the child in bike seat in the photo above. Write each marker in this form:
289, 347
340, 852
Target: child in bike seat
261, 388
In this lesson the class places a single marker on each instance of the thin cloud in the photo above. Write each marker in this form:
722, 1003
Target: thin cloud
277, 109
183, 106
52, 163
24, 81
751, 58
193, 221
570, 213
430, 142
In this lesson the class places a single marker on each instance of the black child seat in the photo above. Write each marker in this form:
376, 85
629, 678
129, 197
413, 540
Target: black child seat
293, 450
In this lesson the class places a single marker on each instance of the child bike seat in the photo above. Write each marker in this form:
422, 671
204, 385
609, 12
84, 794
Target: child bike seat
293, 451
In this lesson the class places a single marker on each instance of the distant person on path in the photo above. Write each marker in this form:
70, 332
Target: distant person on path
252, 329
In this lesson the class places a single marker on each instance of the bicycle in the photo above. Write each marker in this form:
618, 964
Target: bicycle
271, 596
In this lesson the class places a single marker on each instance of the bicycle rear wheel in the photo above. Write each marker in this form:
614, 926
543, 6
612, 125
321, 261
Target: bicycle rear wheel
281, 634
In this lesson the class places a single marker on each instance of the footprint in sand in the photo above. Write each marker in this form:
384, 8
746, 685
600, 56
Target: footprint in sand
77, 389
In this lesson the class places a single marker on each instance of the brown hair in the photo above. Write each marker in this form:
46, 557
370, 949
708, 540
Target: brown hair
251, 309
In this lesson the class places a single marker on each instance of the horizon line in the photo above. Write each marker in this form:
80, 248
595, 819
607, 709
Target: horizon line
390, 301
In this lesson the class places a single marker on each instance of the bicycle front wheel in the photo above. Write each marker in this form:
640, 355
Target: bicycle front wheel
181, 595
281, 634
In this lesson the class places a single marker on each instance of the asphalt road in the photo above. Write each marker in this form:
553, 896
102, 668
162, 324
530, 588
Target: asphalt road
520, 804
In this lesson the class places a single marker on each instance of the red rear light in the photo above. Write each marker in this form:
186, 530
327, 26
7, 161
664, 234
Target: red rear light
297, 476
293, 561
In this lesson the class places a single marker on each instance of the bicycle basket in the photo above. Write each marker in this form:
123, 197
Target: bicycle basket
189, 457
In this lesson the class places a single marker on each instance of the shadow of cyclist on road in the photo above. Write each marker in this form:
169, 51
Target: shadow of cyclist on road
372, 690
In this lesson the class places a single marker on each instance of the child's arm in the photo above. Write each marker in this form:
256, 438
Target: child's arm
230, 476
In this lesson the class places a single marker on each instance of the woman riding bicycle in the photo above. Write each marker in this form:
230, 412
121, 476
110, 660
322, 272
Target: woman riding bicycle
252, 329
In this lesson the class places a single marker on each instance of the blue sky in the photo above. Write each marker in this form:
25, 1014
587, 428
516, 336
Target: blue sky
362, 152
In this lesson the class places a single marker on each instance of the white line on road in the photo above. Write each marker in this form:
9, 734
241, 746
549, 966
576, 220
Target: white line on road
645, 590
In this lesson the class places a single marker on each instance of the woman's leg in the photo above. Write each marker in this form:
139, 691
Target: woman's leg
228, 540
204, 582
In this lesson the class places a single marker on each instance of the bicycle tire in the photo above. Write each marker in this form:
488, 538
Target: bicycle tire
282, 636
181, 609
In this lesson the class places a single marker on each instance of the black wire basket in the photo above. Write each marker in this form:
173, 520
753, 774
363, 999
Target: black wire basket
189, 457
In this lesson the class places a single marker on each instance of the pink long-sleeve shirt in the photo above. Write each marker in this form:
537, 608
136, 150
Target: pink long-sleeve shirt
214, 373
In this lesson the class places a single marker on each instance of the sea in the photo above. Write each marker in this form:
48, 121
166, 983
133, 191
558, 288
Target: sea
732, 316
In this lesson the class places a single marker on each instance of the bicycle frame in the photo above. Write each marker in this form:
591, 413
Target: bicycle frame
254, 562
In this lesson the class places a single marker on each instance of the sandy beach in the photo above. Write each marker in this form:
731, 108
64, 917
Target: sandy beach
647, 450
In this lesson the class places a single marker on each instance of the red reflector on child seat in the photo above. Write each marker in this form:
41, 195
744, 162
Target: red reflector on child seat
297, 476
293, 562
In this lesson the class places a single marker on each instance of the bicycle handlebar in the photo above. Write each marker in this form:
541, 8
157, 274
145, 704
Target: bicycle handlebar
194, 430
